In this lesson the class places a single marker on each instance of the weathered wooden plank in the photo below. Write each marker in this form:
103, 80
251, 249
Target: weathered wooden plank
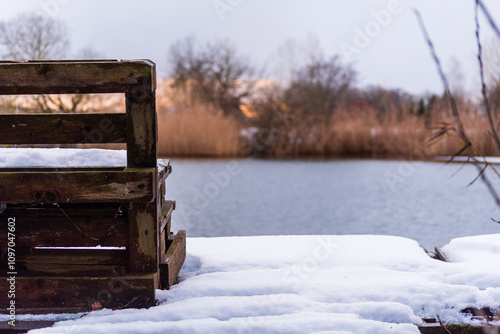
162, 247
69, 77
72, 210
142, 129
62, 231
77, 294
440, 255
127, 185
62, 129
164, 170
165, 217
78, 270
143, 237
27, 256
68, 262
175, 257
436, 328
24, 326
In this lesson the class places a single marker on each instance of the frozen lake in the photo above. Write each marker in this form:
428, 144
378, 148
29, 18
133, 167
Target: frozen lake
419, 200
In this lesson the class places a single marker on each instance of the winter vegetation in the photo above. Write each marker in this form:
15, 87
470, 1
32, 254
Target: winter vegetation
215, 103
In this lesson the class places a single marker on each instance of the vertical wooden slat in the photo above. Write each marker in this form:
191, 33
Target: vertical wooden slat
142, 132
142, 129
143, 240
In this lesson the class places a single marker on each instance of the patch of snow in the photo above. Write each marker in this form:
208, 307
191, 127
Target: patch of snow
310, 284
61, 157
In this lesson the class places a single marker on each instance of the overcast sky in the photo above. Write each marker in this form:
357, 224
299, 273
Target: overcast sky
393, 53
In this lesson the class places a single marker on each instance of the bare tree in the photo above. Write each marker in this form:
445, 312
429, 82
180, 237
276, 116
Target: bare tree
318, 87
456, 78
33, 36
213, 73
492, 74
38, 37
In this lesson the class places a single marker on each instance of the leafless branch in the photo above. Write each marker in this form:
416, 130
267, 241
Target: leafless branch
490, 19
449, 96
483, 83
456, 114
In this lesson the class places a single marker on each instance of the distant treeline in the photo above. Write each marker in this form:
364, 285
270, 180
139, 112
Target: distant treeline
215, 103
224, 108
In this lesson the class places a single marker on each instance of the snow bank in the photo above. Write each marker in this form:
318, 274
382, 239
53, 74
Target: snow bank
55, 157
310, 284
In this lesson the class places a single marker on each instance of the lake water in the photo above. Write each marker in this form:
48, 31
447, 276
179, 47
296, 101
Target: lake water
419, 200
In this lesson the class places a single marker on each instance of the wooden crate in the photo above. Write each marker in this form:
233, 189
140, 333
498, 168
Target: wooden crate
87, 238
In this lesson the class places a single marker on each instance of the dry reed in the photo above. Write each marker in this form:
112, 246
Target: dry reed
195, 130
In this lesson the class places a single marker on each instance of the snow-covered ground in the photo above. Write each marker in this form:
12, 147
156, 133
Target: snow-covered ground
310, 284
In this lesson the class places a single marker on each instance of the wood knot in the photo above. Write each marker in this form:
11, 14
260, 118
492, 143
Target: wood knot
51, 197
44, 69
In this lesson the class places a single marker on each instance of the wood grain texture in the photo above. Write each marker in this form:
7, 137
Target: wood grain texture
62, 128
67, 262
143, 237
23, 326
77, 294
97, 185
59, 231
86, 225
175, 257
76, 77
94, 256
142, 129
165, 216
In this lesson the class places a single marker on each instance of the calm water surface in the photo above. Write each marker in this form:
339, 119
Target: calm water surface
422, 201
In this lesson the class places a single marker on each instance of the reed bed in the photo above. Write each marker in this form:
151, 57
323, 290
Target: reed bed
195, 130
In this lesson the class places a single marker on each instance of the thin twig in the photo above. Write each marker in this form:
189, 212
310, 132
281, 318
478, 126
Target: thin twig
487, 182
71, 221
461, 167
458, 153
483, 83
451, 99
454, 107
441, 323
130, 302
477, 177
490, 19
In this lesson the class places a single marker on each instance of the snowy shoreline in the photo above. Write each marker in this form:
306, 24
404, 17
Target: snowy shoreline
310, 284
